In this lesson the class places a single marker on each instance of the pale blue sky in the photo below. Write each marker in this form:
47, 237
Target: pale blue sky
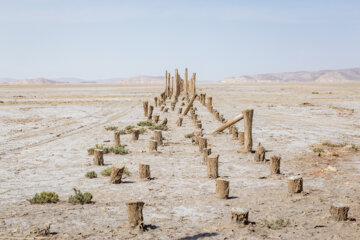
98, 39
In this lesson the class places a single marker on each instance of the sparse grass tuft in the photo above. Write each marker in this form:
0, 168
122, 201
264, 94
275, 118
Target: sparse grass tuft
1, 101
126, 172
91, 174
116, 150
142, 130
106, 172
317, 150
152, 138
162, 127
276, 224
122, 132
314, 92
111, 128
145, 123
189, 135
44, 197
333, 145
80, 198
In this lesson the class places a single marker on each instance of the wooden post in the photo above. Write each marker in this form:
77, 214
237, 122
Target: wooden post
156, 118
259, 154
116, 174
186, 88
135, 214
339, 212
228, 123
222, 188
248, 117
241, 138
145, 106
166, 109
166, 83
172, 86
151, 108
206, 153
158, 137
179, 122
164, 122
153, 146
212, 166
193, 91
144, 171
275, 164
156, 101
235, 134
189, 105
99, 157
135, 134
116, 138
202, 143
295, 184
179, 111
239, 216
198, 124
209, 103
197, 134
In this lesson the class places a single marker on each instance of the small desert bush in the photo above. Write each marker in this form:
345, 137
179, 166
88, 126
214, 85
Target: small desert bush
162, 127
111, 128
116, 150
91, 174
162, 138
189, 135
314, 92
122, 132
276, 224
80, 198
106, 172
129, 128
44, 197
334, 145
145, 123
142, 130
318, 150
1, 101
126, 172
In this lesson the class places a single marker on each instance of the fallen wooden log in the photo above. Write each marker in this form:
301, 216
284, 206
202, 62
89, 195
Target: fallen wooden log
189, 105
229, 123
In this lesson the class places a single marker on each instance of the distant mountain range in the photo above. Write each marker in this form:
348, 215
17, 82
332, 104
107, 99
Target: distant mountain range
324, 76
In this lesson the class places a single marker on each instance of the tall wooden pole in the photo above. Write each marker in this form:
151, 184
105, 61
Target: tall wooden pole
186, 80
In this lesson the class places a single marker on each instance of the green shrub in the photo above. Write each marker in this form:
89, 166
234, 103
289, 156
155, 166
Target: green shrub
116, 150
142, 130
276, 224
122, 132
91, 174
189, 135
145, 123
126, 172
162, 127
44, 197
111, 128
80, 198
334, 145
317, 150
106, 172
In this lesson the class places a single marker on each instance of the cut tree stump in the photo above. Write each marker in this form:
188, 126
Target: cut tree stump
202, 143
99, 157
151, 109
198, 125
116, 138
156, 118
275, 164
339, 212
179, 111
206, 153
145, 106
135, 214
116, 174
179, 122
135, 134
235, 134
153, 145
295, 184
248, 118
144, 171
259, 154
212, 166
158, 137
209, 103
222, 188
239, 216
164, 122
197, 133
166, 109
155, 101
162, 108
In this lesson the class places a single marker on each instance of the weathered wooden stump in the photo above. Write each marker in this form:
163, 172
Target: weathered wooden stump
116, 138
198, 124
151, 109
235, 134
248, 117
172, 106
156, 118
99, 157
197, 134
202, 143
166, 109
241, 138
135, 134
179, 122
259, 154
155, 101
162, 108
206, 153
179, 110
295, 184
116, 174
275, 164
153, 145
222, 188
212, 166
144, 171
158, 137
339, 212
135, 214
240, 216
209, 103
145, 106
164, 122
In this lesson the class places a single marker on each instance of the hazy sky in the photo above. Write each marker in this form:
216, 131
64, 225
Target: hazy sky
97, 39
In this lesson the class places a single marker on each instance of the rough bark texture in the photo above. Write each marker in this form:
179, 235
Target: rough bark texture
339, 212
179, 122
275, 164
206, 153
202, 143
239, 216
153, 145
135, 134
259, 154
135, 214
144, 171
98, 157
116, 174
212, 166
158, 137
156, 118
222, 188
248, 117
241, 138
145, 106
151, 108
295, 184
116, 138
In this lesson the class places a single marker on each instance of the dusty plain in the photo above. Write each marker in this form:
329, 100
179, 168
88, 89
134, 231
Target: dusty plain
46, 131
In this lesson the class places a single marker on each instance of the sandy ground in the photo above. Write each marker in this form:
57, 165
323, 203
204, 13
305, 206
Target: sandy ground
46, 131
